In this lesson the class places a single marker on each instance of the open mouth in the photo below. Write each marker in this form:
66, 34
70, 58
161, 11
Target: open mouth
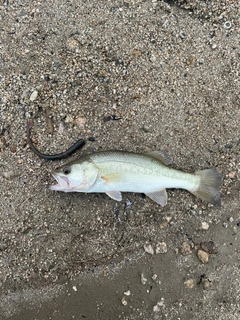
62, 183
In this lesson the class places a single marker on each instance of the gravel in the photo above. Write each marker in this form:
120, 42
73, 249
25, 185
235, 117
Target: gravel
127, 75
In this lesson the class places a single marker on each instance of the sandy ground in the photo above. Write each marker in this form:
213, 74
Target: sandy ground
170, 72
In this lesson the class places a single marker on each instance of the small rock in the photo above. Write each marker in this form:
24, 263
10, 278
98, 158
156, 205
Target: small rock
161, 247
13, 148
72, 44
225, 225
185, 249
146, 129
232, 174
61, 128
168, 218
153, 58
148, 248
159, 304
206, 284
227, 25
69, 119
231, 219
163, 224
143, 279
128, 203
204, 225
203, 256
127, 293
209, 247
75, 288
154, 277
124, 302
80, 122
136, 53
189, 283
34, 95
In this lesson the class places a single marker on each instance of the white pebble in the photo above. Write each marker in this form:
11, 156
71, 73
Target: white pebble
161, 247
127, 293
143, 279
75, 288
148, 248
124, 302
154, 277
227, 25
204, 225
34, 95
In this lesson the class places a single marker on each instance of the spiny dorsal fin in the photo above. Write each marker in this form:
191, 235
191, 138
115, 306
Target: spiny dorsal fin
160, 156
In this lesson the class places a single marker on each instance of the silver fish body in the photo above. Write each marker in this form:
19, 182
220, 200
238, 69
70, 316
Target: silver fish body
114, 172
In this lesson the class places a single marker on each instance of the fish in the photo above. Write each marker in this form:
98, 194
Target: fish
113, 172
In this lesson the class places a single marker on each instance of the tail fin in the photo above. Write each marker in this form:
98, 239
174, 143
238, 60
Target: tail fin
210, 182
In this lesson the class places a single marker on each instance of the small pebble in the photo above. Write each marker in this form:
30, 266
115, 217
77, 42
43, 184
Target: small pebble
148, 248
143, 279
225, 225
185, 249
214, 46
161, 247
127, 293
159, 304
13, 148
231, 219
203, 256
204, 225
136, 53
81, 122
69, 119
75, 288
128, 203
154, 277
209, 247
232, 174
72, 44
124, 302
34, 95
227, 25
206, 284
189, 283
163, 224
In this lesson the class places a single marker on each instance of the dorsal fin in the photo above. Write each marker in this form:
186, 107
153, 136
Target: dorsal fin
160, 156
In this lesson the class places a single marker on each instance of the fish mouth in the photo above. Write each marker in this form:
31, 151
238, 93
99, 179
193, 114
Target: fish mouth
63, 184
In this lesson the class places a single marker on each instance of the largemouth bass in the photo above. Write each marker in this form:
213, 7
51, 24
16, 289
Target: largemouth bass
114, 172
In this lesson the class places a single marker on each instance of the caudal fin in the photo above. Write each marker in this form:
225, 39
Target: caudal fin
210, 183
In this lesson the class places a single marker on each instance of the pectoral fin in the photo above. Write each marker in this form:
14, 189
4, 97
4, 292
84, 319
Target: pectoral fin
111, 178
159, 196
115, 195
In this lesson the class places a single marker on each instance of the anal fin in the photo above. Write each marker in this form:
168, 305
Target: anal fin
158, 196
115, 195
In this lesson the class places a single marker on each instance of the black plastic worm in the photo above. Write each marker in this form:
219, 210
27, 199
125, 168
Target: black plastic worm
79, 144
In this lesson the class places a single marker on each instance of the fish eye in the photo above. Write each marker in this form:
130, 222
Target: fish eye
67, 170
